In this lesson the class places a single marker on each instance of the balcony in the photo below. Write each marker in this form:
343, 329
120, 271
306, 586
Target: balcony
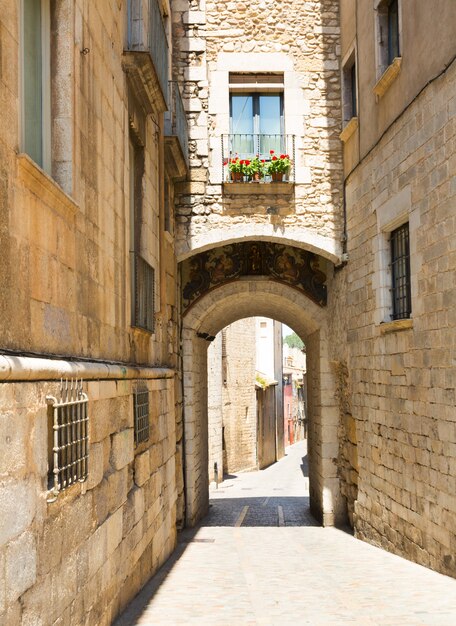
176, 134
146, 56
267, 148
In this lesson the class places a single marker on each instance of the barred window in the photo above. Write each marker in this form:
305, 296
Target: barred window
400, 263
144, 278
141, 413
68, 421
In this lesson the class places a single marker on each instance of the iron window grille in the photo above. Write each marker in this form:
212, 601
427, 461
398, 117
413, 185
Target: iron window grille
400, 264
141, 414
69, 418
144, 287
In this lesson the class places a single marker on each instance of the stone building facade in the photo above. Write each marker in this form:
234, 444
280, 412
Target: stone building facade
397, 378
89, 292
232, 415
245, 413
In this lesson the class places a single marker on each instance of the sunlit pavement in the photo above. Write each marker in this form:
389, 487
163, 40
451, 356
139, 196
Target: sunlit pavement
260, 558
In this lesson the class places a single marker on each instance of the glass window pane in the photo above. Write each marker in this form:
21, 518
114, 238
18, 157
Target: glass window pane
393, 31
242, 124
270, 124
270, 114
32, 80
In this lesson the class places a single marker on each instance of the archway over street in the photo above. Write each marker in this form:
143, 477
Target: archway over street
246, 297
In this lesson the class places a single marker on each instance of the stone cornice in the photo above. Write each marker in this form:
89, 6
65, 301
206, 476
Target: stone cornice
26, 368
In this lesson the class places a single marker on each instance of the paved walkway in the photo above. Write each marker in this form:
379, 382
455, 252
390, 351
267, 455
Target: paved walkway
260, 558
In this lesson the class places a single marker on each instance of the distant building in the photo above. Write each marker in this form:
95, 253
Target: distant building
294, 394
245, 397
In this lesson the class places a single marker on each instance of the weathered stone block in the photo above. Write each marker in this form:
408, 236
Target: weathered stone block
20, 566
156, 456
110, 494
14, 435
142, 468
97, 549
114, 531
18, 506
122, 448
96, 465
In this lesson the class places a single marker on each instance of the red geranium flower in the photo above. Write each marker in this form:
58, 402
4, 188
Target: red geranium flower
271, 151
282, 156
274, 158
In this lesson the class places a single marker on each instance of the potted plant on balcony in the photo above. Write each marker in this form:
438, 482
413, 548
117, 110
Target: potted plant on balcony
256, 168
278, 166
237, 168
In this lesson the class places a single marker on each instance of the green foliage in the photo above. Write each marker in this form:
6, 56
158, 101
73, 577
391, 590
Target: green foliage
261, 381
293, 341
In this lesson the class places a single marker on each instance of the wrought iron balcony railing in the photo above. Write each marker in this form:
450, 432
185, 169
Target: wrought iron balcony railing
146, 33
267, 148
176, 120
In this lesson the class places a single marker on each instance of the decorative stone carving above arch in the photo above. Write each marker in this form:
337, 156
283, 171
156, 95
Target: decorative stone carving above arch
297, 268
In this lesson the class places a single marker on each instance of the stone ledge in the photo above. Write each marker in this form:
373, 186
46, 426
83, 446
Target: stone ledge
259, 189
395, 325
42, 185
16, 368
349, 129
388, 77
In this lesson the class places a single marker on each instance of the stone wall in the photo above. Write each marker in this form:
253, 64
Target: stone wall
215, 407
65, 271
238, 397
300, 41
402, 374
232, 407
81, 558
65, 282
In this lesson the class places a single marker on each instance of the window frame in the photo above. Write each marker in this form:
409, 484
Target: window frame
45, 158
141, 293
401, 297
394, 49
256, 94
387, 50
350, 100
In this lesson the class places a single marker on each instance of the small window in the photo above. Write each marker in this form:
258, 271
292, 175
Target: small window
36, 91
393, 30
256, 114
400, 265
141, 413
169, 217
142, 273
350, 95
144, 285
68, 437
388, 35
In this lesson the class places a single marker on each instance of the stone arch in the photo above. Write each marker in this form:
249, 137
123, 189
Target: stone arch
214, 311
225, 234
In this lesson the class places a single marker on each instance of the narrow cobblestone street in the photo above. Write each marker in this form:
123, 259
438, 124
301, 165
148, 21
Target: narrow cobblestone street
260, 558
